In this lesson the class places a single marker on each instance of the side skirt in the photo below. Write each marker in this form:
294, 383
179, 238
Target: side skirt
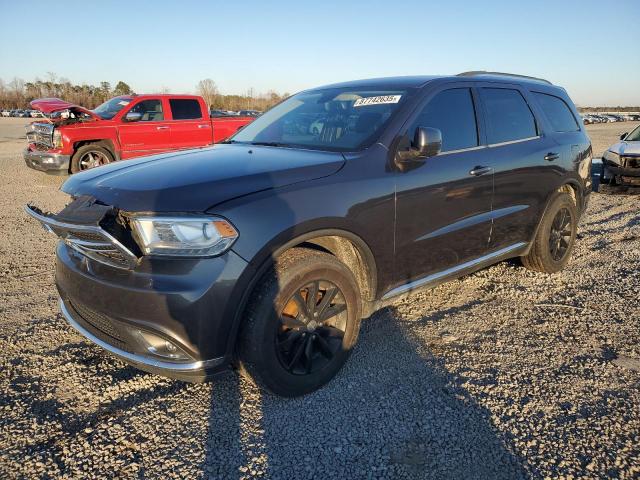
435, 279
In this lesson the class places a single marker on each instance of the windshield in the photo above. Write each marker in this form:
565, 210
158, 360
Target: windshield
634, 136
109, 108
338, 119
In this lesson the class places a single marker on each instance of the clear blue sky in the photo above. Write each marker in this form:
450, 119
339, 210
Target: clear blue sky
588, 46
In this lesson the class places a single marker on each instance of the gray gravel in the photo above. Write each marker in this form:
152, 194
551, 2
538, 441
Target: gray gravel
503, 374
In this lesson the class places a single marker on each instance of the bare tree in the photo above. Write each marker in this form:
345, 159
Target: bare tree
208, 90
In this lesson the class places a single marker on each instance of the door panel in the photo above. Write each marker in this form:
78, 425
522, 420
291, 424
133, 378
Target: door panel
443, 207
151, 134
523, 182
523, 179
190, 127
443, 214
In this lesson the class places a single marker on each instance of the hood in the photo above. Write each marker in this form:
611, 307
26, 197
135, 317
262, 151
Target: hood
197, 180
52, 105
625, 148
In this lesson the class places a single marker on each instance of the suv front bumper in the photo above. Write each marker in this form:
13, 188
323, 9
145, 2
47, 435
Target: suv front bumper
191, 303
48, 162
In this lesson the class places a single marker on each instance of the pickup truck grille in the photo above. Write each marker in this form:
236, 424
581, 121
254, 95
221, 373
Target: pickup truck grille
40, 134
90, 240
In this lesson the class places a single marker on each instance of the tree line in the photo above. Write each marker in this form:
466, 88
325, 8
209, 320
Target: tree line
17, 93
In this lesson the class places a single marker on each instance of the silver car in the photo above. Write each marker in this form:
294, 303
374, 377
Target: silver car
621, 161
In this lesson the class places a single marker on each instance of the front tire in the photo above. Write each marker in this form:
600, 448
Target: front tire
301, 323
553, 245
90, 156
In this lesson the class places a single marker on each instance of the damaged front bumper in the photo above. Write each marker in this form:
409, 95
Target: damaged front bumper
49, 162
163, 315
612, 177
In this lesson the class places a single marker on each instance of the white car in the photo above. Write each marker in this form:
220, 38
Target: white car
36, 114
621, 161
6, 113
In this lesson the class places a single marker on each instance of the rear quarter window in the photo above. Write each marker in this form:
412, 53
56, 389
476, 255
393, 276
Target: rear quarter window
185, 109
508, 115
557, 112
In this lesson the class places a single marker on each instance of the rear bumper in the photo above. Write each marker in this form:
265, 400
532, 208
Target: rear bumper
48, 162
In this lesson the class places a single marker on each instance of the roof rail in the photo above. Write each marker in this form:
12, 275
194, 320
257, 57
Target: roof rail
483, 72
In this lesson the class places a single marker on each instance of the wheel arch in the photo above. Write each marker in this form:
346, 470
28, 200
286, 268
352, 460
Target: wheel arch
569, 186
348, 247
102, 142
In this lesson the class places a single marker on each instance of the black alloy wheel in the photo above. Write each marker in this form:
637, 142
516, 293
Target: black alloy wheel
312, 328
560, 234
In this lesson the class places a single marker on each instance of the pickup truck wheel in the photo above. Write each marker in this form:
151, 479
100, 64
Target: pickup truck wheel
301, 324
556, 236
89, 156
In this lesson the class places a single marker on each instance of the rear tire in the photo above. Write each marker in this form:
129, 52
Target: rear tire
90, 156
556, 236
301, 323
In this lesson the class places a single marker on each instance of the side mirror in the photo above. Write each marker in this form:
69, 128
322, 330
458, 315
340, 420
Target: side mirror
624, 135
427, 142
133, 117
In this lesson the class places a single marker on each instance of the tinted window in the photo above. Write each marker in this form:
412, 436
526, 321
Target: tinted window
151, 110
453, 114
508, 115
558, 113
185, 109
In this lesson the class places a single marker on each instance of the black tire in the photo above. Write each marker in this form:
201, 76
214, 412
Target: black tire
79, 160
267, 347
552, 247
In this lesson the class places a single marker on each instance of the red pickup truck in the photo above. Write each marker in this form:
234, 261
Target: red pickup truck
73, 138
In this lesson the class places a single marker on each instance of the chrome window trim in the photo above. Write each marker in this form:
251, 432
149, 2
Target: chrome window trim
511, 142
437, 277
461, 150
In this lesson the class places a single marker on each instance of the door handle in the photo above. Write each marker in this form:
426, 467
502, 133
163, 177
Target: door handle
203, 126
162, 128
477, 171
551, 156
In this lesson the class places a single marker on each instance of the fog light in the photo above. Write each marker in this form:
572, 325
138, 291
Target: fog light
160, 347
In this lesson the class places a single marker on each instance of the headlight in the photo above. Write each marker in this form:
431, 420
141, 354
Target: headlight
57, 139
184, 236
611, 157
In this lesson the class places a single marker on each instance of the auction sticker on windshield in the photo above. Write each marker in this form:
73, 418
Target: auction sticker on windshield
363, 102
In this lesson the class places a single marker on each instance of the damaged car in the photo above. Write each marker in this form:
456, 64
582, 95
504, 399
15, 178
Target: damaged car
73, 138
264, 252
620, 167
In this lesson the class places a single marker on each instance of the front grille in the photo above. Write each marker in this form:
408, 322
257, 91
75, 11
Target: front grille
631, 162
90, 240
100, 325
40, 134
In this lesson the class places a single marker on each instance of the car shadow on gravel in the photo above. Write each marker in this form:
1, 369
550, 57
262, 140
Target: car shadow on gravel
393, 411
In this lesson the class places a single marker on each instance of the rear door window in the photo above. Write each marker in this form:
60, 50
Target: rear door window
508, 116
558, 113
452, 112
185, 109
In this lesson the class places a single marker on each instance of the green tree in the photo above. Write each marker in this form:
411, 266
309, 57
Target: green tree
122, 89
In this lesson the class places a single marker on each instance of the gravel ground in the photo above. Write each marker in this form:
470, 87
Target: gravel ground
502, 374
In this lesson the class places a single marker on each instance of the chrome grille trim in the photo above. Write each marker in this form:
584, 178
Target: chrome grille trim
99, 245
40, 134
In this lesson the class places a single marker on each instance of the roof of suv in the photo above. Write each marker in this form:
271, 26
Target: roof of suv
418, 81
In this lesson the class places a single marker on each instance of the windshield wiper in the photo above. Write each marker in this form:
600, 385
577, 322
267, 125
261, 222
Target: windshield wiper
270, 144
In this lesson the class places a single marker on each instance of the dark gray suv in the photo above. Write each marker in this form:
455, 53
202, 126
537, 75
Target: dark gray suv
265, 252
